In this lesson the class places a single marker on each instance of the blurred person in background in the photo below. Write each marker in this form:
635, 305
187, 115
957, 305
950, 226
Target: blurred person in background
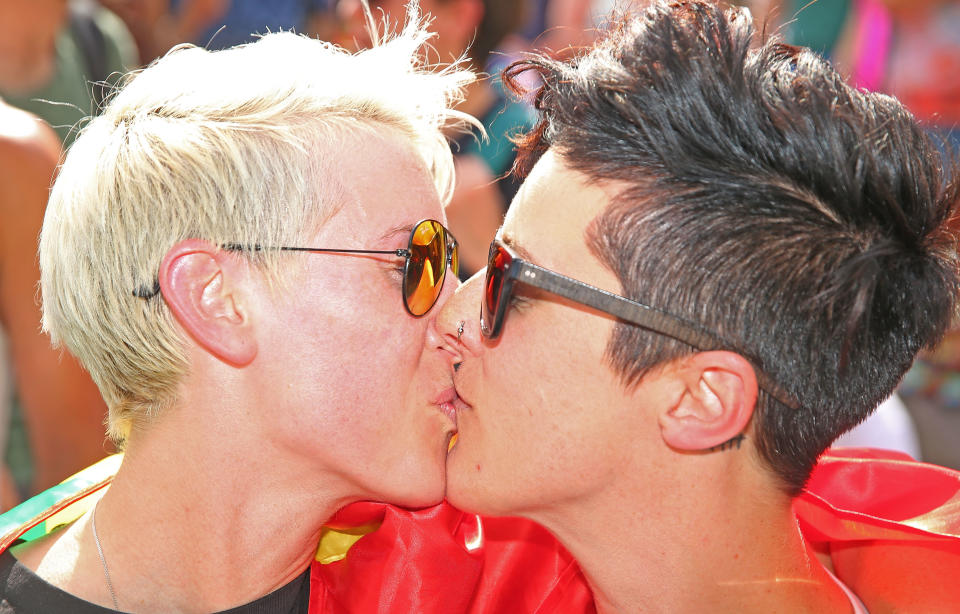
50, 53
820, 25
911, 50
62, 405
156, 26
561, 27
241, 21
159, 25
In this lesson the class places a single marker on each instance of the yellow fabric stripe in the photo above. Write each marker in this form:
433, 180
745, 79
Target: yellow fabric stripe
94, 473
334, 543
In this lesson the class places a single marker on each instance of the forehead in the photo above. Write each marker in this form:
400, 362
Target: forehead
549, 217
384, 188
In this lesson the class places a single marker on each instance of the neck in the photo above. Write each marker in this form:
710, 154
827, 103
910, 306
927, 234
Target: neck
202, 535
716, 545
191, 524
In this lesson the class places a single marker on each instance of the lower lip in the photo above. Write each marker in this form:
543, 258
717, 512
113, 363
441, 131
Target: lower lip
449, 411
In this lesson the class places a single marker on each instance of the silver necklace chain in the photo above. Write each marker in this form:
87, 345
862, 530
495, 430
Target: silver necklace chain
103, 560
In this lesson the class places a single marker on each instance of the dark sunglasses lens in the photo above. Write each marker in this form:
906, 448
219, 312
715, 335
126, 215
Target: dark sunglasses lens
426, 267
497, 266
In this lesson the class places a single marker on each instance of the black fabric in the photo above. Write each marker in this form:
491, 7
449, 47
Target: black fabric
24, 592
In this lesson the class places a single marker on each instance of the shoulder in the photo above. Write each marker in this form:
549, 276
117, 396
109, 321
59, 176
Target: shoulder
29, 154
25, 141
23, 131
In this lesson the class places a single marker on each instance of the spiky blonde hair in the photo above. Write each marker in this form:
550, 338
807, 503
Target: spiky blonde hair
228, 146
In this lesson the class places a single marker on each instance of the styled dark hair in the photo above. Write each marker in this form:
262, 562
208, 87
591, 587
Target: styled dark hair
802, 221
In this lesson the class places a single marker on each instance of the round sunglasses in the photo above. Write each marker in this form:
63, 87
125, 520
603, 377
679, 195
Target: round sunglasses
430, 250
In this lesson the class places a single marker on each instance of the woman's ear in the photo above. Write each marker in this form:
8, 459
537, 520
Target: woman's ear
200, 284
717, 402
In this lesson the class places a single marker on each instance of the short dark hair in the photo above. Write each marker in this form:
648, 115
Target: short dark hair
804, 222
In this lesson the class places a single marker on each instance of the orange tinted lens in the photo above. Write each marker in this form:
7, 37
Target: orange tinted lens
426, 268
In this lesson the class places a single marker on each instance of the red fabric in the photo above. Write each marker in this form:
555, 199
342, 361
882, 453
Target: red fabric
419, 561
527, 571
891, 527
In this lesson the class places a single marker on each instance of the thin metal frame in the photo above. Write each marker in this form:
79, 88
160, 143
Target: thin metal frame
451, 246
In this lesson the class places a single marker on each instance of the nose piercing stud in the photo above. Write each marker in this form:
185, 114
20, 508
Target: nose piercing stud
460, 330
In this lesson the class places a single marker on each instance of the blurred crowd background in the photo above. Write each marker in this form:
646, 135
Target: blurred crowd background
59, 57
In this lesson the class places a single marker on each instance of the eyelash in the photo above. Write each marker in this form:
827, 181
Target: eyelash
518, 302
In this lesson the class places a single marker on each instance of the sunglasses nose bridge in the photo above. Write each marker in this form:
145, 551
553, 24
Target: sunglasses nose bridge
453, 253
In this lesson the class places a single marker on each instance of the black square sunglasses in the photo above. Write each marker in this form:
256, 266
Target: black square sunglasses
505, 269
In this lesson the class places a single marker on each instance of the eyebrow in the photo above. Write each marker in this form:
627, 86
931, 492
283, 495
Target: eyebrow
508, 240
397, 230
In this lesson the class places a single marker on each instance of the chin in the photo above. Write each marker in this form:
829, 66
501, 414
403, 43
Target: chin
464, 488
472, 502
420, 499
427, 491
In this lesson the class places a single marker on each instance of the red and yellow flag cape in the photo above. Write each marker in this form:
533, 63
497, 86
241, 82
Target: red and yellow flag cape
891, 527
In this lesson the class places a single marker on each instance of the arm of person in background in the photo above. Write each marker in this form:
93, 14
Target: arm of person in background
63, 408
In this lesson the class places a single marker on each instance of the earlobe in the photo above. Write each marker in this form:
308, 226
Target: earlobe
196, 282
716, 403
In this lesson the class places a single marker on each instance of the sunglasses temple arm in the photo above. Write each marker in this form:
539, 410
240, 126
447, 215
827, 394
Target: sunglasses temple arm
637, 313
403, 253
621, 307
239, 247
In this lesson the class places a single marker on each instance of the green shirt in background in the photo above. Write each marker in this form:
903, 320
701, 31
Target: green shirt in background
816, 25
66, 100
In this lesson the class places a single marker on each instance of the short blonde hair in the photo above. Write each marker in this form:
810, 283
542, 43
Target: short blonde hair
228, 146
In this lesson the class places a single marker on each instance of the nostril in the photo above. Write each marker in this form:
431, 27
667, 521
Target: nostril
456, 365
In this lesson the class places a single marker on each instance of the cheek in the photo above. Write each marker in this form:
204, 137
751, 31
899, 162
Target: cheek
545, 428
354, 362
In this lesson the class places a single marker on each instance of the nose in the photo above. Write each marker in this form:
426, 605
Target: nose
458, 321
435, 338
450, 284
